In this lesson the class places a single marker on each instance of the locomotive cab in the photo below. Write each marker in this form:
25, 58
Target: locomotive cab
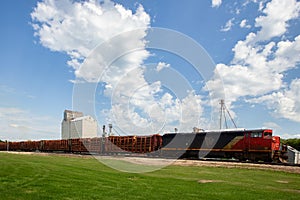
258, 145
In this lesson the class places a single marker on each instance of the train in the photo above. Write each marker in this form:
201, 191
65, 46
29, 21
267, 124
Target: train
239, 144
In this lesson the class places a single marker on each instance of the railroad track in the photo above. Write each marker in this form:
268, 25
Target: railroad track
246, 162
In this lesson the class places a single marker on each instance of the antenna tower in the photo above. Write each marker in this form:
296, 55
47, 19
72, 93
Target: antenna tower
223, 112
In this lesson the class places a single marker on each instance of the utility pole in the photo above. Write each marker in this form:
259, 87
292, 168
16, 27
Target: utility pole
221, 112
110, 130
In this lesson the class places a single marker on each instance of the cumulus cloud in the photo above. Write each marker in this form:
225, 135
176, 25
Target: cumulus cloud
56, 24
261, 5
257, 70
228, 25
158, 114
216, 3
274, 22
161, 65
285, 103
244, 24
146, 108
110, 48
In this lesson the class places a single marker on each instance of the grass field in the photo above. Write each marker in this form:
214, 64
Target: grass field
58, 177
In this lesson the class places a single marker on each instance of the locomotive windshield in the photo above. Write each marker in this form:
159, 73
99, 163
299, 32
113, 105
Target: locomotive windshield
267, 135
256, 134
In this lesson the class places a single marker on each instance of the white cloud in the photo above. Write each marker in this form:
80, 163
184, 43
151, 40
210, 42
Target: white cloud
274, 22
159, 115
285, 103
118, 62
228, 25
57, 23
161, 65
257, 70
261, 5
244, 24
99, 22
216, 3
19, 124
147, 109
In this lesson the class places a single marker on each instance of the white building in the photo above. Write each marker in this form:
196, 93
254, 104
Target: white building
293, 155
75, 125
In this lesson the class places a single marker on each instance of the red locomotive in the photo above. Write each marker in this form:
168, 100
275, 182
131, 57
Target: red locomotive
242, 144
254, 145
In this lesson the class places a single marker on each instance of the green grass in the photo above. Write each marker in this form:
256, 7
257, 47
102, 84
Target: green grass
58, 177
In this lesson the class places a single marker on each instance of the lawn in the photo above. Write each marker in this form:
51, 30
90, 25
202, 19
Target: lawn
58, 177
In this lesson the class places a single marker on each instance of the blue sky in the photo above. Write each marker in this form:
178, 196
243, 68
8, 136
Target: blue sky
254, 45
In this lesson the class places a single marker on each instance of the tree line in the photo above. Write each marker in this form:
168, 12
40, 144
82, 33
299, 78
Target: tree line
293, 142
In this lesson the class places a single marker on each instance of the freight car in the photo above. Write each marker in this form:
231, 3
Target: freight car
254, 145
133, 144
3, 146
104, 145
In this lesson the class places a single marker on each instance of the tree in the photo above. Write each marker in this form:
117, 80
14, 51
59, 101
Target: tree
293, 142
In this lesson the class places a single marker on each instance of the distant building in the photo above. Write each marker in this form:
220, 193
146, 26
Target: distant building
70, 115
76, 125
293, 155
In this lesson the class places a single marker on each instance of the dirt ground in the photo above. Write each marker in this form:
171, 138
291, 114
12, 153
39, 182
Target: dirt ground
291, 169
165, 162
161, 161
